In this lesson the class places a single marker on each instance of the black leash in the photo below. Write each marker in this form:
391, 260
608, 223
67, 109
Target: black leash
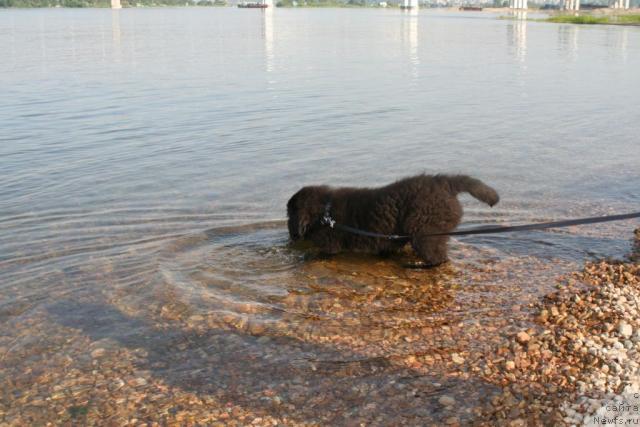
327, 220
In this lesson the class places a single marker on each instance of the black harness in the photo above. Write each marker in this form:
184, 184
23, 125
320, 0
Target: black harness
329, 221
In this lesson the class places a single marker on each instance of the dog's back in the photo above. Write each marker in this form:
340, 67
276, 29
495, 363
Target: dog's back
452, 184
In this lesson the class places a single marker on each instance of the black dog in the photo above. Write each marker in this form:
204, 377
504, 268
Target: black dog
414, 207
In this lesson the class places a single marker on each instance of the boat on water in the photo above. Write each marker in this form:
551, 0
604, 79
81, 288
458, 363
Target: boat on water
471, 8
245, 5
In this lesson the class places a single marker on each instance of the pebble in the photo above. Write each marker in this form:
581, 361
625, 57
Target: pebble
457, 359
98, 352
625, 329
264, 340
138, 382
522, 337
447, 401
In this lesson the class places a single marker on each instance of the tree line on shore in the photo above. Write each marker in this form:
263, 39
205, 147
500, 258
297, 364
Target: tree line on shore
107, 3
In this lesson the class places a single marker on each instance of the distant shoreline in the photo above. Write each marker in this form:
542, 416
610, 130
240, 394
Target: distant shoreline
624, 19
604, 16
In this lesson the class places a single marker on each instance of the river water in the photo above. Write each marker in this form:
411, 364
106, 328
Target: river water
146, 157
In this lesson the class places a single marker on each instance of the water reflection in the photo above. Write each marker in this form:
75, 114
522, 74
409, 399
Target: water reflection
116, 34
618, 41
568, 40
72, 33
410, 40
11, 30
517, 34
43, 44
267, 35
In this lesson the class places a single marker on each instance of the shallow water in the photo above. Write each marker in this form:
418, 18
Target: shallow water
146, 157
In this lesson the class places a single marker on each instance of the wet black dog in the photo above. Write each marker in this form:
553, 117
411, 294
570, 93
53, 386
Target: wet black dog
414, 207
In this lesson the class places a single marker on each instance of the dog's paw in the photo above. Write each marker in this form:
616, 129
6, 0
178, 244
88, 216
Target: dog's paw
422, 265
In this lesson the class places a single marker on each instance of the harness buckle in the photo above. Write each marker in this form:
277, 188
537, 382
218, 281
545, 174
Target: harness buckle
326, 219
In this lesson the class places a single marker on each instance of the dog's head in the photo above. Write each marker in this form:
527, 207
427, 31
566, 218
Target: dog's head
305, 210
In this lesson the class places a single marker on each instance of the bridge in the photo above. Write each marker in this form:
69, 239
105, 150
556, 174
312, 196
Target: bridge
513, 4
570, 4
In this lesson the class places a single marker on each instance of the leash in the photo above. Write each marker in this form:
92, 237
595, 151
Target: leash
327, 220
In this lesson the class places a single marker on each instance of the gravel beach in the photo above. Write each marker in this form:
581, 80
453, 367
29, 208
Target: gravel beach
559, 358
582, 355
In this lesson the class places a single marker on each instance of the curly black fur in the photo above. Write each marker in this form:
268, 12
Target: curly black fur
415, 207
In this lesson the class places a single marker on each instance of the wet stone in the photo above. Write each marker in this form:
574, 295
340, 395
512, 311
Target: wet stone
98, 352
446, 401
624, 329
523, 337
457, 359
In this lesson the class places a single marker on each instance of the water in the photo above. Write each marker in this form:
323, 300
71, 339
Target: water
146, 157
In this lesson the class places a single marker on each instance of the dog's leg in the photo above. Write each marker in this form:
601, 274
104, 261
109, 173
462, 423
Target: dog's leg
329, 244
432, 250
635, 251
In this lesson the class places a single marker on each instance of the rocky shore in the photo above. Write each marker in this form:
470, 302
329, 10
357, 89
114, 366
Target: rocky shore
476, 346
579, 365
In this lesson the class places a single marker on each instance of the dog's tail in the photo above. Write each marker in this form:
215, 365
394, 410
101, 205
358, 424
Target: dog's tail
475, 187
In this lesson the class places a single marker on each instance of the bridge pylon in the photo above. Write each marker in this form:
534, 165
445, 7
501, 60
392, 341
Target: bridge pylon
518, 4
619, 4
409, 4
571, 4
